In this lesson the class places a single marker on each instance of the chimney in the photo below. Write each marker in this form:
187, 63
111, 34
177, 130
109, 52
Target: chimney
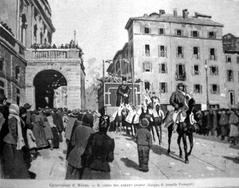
185, 13
175, 13
161, 12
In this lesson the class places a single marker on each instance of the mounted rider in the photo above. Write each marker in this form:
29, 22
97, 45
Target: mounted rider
179, 100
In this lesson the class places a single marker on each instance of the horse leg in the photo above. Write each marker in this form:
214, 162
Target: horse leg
156, 126
170, 131
152, 130
179, 145
190, 137
185, 147
160, 133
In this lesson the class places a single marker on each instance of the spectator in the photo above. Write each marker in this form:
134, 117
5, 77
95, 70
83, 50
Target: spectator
31, 140
144, 143
4, 112
223, 122
14, 165
78, 142
98, 154
233, 121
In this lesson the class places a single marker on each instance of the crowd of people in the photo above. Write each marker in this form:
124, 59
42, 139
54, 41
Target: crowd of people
222, 123
24, 133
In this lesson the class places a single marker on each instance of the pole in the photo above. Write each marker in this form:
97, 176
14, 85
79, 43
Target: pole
207, 95
103, 82
132, 75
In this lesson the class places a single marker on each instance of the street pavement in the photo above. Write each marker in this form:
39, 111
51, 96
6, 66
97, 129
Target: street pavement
209, 159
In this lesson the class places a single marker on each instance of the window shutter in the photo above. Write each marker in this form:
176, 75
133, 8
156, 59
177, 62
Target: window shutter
215, 52
192, 70
158, 50
160, 68
166, 68
165, 51
142, 29
218, 90
166, 87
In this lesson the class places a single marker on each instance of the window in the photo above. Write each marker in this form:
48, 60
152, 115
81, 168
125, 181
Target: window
196, 70
237, 59
17, 72
41, 38
230, 75
196, 52
228, 59
197, 88
163, 88
213, 70
146, 85
162, 51
147, 67
147, 50
162, 68
18, 96
232, 97
146, 30
215, 89
179, 32
2, 87
161, 31
35, 32
1, 63
195, 34
180, 51
212, 54
212, 35
180, 72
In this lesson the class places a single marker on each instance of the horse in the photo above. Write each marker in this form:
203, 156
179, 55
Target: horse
185, 128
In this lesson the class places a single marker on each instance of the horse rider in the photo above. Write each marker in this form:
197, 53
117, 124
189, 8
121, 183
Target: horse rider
178, 100
123, 92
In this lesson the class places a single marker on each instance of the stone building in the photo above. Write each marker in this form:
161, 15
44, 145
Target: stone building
231, 61
12, 54
48, 67
166, 49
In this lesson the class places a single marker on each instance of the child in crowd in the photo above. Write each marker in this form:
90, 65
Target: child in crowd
144, 143
31, 142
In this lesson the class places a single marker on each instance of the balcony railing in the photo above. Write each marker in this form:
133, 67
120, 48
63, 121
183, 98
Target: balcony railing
52, 54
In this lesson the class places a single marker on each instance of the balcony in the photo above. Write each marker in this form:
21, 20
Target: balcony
180, 77
52, 54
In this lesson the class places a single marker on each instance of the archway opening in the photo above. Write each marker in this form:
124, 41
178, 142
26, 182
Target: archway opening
50, 89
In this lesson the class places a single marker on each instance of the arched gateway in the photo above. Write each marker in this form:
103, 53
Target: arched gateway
49, 90
55, 78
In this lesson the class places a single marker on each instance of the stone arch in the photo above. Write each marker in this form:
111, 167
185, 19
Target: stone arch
50, 85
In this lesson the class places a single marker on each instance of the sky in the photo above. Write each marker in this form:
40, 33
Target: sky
100, 24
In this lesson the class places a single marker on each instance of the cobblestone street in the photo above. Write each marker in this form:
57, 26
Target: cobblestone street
209, 159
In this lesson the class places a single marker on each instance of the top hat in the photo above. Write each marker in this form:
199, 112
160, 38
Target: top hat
144, 122
27, 106
180, 85
123, 78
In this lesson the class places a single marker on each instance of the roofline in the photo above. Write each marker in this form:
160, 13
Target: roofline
142, 19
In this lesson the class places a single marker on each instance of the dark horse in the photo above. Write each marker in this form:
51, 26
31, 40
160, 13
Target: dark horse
184, 129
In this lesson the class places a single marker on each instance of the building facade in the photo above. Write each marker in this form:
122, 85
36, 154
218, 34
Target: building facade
231, 61
167, 49
37, 68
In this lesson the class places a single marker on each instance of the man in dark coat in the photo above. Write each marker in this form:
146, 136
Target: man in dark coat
123, 92
99, 152
178, 101
4, 112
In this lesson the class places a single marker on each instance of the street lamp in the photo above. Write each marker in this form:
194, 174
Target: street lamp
207, 95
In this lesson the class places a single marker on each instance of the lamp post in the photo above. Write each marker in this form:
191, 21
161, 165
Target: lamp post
207, 95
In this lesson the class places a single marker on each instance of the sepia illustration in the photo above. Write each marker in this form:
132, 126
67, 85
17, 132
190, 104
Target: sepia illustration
119, 90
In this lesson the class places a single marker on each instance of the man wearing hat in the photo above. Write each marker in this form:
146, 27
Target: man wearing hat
144, 143
178, 101
123, 92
